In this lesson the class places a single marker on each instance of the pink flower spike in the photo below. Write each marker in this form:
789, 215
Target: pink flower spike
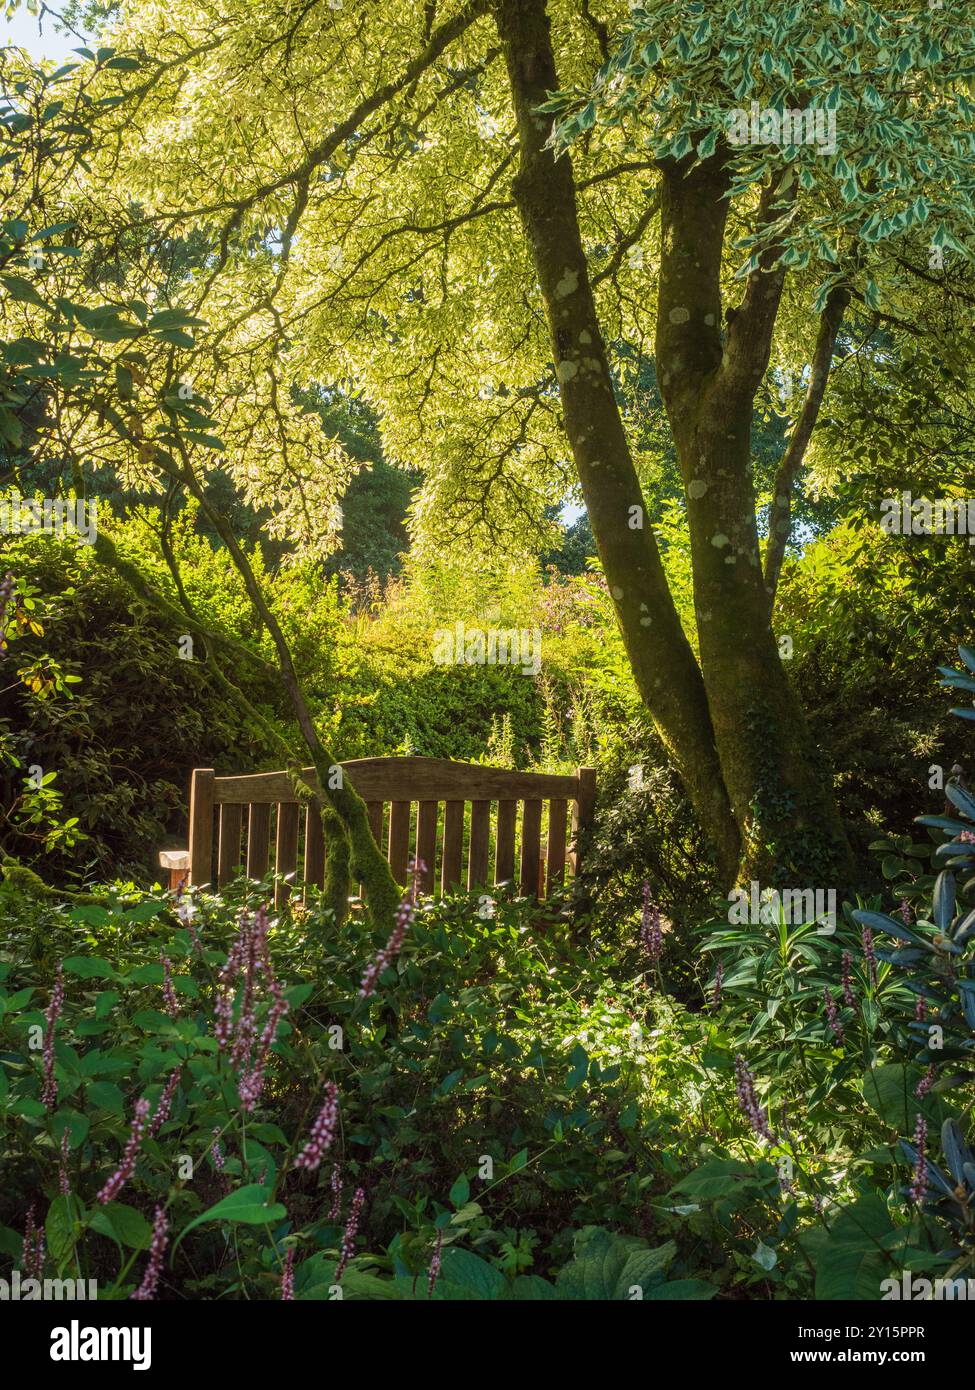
849, 998
64, 1182
926, 1082
404, 916
351, 1229
336, 1207
651, 935
162, 1110
49, 1095
251, 1083
216, 1152
169, 993
748, 1101
157, 1249
33, 1254
866, 936
435, 1264
919, 1186
832, 1014
288, 1276
127, 1167
322, 1131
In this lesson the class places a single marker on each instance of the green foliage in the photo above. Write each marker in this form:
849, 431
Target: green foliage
469, 1105
517, 1096
90, 652
868, 616
679, 71
120, 782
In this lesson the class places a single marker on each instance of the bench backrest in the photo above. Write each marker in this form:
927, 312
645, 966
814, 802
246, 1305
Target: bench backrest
458, 818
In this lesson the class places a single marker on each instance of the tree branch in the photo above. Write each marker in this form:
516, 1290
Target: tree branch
780, 510
751, 325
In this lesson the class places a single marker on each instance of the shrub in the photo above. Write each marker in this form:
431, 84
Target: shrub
484, 1102
123, 778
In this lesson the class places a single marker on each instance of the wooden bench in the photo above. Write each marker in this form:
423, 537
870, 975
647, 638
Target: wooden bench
453, 816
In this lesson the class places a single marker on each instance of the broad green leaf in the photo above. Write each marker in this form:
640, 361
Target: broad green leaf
460, 1191
123, 1224
62, 1228
889, 1090
89, 968
248, 1206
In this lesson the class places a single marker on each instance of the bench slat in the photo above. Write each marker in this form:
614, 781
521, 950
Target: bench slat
504, 851
556, 844
399, 840
419, 779
531, 848
453, 845
258, 838
314, 868
285, 851
201, 826
426, 843
228, 851
477, 865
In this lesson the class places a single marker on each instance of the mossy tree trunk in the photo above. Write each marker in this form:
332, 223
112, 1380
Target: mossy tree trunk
732, 725
663, 663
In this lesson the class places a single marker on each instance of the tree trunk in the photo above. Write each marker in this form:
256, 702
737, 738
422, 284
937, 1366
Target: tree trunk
779, 790
666, 674
780, 509
736, 734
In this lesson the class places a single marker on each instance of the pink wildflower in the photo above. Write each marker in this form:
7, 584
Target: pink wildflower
161, 1113
435, 1264
64, 1182
49, 1094
925, 1083
216, 1152
228, 982
288, 1276
157, 1250
849, 998
322, 1131
127, 1167
404, 916
866, 936
832, 1014
716, 988
251, 1083
249, 957
33, 1256
348, 1239
919, 1186
169, 993
748, 1101
651, 935
336, 1185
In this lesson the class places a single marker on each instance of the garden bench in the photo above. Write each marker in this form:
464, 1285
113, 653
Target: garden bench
452, 816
